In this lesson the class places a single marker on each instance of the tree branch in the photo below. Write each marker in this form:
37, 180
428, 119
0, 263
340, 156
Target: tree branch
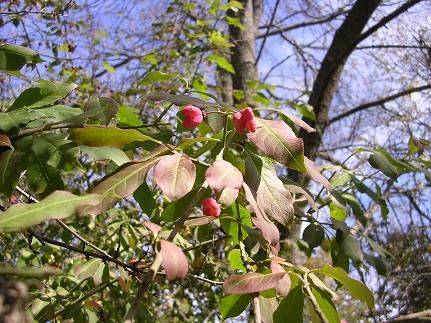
267, 32
378, 102
149, 277
413, 317
301, 24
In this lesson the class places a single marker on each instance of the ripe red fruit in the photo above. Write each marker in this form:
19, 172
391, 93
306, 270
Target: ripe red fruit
243, 120
192, 116
211, 207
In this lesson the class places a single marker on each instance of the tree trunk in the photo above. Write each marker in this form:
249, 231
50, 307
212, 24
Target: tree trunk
243, 53
330, 70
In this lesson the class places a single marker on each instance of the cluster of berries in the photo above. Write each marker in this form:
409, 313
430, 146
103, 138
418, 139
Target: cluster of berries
242, 120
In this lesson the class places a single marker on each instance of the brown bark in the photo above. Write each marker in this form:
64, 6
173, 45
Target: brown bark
243, 53
332, 65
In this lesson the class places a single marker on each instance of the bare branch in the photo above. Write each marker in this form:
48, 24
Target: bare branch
301, 24
378, 102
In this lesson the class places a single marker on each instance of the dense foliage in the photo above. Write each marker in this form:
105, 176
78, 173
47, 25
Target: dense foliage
175, 207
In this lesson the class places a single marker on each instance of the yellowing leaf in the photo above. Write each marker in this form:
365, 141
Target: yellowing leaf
112, 137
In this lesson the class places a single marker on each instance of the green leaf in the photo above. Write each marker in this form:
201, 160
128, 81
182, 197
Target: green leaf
291, 307
326, 305
157, 76
113, 137
12, 163
235, 260
271, 195
128, 116
233, 305
378, 161
229, 223
377, 263
277, 140
36, 118
28, 272
102, 153
356, 288
123, 182
356, 208
306, 110
13, 58
351, 248
379, 249
108, 67
190, 141
92, 268
58, 205
43, 94
221, 62
180, 100
145, 198
313, 234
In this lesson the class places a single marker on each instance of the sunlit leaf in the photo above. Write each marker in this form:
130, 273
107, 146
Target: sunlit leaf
356, 288
221, 62
277, 140
175, 174
272, 197
222, 174
113, 137
13, 57
102, 153
313, 171
174, 261
58, 205
123, 182
326, 305
284, 284
251, 283
45, 93
233, 305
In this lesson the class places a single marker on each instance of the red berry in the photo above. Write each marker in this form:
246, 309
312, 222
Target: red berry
211, 207
192, 116
243, 120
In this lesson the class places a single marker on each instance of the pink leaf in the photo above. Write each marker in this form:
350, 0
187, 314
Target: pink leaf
277, 139
154, 228
273, 199
284, 284
174, 261
222, 174
269, 230
299, 122
228, 196
251, 283
175, 174
314, 172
